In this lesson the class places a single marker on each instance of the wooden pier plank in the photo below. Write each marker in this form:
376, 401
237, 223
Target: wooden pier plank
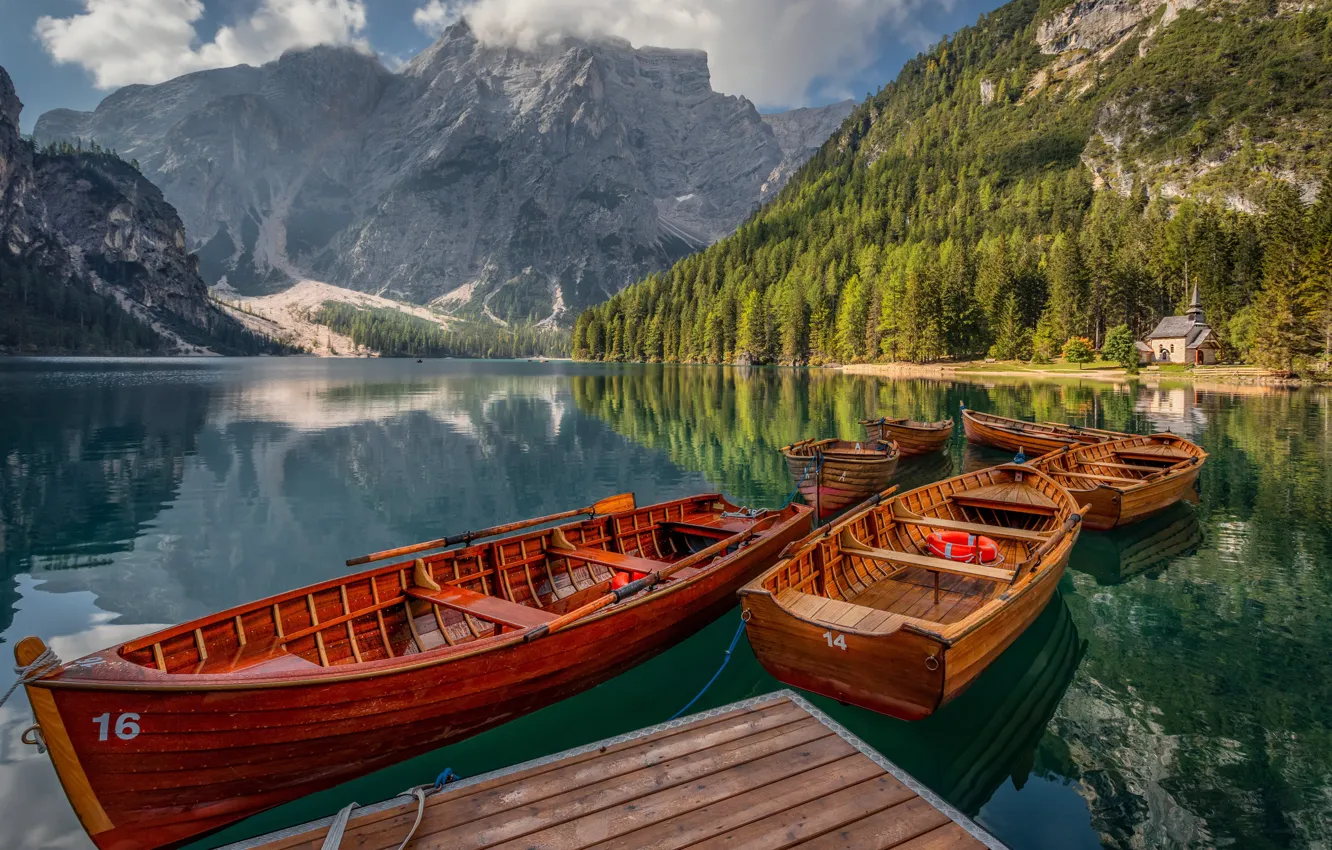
770, 774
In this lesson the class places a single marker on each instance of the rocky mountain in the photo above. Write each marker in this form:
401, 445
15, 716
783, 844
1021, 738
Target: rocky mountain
1058, 170
93, 259
491, 181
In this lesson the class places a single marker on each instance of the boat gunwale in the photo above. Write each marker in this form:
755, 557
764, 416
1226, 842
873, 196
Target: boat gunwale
1073, 435
379, 668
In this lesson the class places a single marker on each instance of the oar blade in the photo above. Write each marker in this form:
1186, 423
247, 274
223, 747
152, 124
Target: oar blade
615, 504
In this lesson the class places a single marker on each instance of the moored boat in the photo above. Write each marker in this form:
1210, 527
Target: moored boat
912, 437
168, 737
834, 474
1031, 438
861, 612
1126, 480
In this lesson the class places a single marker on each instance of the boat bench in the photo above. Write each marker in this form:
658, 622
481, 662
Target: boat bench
698, 530
975, 528
851, 546
614, 560
267, 656
561, 547
1005, 505
500, 611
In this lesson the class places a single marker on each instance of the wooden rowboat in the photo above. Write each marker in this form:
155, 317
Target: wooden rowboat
166, 738
912, 437
862, 614
834, 474
1126, 480
1032, 438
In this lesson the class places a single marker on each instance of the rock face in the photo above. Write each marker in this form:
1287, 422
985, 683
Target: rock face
92, 222
800, 133
511, 184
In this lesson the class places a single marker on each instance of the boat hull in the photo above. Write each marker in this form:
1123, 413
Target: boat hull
201, 758
912, 440
839, 484
891, 673
1112, 507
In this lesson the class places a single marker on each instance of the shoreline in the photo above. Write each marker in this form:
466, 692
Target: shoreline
1225, 377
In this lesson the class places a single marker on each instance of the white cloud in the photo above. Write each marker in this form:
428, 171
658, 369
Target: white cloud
147, 41
776, 52
435, 17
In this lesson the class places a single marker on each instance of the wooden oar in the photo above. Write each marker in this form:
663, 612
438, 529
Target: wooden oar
650, 580
608, 505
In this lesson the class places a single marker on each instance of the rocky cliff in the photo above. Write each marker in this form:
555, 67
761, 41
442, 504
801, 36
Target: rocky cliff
494, 182
86, 240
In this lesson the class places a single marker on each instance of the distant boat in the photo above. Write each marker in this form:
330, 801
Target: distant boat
834, 474
1126, 480
880, 612
912, 437
1032, 438
166, 738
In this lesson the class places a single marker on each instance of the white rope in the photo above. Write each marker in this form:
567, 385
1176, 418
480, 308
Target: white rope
339, 825
40, 666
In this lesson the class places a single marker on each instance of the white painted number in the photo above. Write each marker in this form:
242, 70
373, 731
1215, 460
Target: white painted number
127, 726
838, 641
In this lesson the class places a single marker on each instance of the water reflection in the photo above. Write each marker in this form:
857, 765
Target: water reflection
1175, 694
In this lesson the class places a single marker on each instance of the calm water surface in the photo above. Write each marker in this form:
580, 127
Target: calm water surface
1176, 693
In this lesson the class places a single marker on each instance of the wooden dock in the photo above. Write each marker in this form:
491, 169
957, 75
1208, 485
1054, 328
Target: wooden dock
770, 772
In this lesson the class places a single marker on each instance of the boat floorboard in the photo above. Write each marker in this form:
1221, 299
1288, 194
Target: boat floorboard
770, 772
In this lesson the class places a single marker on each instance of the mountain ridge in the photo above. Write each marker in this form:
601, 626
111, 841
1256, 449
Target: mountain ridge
93, 259
437, 181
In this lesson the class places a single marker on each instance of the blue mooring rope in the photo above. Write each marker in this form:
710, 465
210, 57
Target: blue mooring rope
725, 660
814, 465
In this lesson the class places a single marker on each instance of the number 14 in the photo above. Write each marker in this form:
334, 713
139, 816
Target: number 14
838, 641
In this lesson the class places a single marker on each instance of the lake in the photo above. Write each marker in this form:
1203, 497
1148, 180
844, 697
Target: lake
1177, 692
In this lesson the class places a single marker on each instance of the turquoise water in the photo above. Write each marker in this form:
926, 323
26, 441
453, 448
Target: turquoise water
1176, 693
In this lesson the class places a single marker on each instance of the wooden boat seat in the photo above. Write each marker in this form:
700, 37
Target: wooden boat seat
1008, 497
699, 530
1094, 476
267, 656
1152, 453
850, 545
562, 548
489, 608
969, 527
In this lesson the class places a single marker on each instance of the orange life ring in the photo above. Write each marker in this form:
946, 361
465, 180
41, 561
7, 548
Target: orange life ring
620, 579
962, 547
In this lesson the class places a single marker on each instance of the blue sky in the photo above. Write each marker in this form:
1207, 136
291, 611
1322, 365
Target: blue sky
779, 53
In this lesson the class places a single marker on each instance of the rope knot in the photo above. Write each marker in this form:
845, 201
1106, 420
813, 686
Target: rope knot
41, 666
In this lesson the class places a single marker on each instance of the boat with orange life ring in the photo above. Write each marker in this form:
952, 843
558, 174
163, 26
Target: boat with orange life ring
863, 611
964, 548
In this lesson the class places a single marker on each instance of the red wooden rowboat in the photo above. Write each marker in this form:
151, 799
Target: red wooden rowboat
171, 736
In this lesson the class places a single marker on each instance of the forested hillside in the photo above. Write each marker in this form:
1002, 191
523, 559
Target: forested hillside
1054, 171
396, 334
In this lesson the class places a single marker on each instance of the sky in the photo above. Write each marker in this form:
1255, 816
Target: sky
778, 53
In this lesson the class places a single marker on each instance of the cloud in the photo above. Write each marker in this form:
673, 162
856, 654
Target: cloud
776, 52
147, 41
435, 17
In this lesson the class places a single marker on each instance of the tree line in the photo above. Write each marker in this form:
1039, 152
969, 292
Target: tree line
396, 334
938, 224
